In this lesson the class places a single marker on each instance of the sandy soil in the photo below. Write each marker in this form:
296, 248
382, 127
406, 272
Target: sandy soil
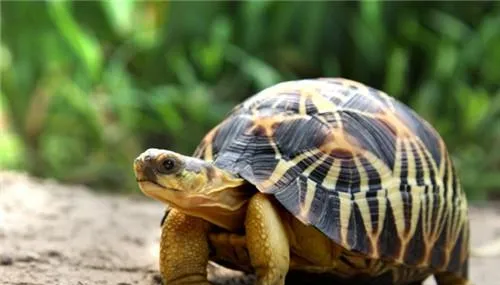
56, 234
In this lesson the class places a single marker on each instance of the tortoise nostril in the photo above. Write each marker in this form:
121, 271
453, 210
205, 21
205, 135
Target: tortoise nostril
149, 174
144, 169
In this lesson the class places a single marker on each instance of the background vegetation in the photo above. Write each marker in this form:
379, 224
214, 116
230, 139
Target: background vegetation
86, 86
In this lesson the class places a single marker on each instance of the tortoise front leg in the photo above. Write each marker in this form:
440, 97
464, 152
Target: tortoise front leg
267, 241
184, 249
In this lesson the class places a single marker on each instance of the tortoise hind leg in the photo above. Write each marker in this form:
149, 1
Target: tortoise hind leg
448, 278
454, 278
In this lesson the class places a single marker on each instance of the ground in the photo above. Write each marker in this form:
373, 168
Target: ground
57, 234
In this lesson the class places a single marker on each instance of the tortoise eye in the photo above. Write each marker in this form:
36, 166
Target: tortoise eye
168, 165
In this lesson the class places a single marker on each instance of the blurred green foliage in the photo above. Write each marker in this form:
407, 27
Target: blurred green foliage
86, 86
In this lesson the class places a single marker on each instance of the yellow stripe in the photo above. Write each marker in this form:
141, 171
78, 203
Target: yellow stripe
302, 102
457, 218
345, 213
338, 119
313, 166
389, 183
344, 199
449, 198
363, 177
395, 196
443, 160
390, 186
431, 227
332, 175
282, 167
322, 104
208, 155
277, 153
387, 179
436, 227
417, 193
311, 189
362, 202
437, 171
278, 100
304, 209
388, 100
410, 164
365, 211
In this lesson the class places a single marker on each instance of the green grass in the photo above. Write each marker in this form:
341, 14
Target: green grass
11, 150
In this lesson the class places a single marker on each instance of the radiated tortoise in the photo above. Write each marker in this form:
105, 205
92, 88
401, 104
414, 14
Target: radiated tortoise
321, 176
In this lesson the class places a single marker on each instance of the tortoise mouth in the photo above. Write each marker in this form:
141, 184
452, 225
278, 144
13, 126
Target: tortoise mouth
143, 181
148, 186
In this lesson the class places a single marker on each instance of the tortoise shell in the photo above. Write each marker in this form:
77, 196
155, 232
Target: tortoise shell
358, 165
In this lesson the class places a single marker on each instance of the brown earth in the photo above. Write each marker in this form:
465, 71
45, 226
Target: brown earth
57, 234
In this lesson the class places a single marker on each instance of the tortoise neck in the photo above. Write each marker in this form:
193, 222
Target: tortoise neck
213, 194
225, 208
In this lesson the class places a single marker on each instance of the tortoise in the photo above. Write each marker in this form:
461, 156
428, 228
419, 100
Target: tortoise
321, 176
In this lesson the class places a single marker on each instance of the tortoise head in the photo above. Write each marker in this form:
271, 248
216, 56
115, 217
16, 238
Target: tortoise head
193, 186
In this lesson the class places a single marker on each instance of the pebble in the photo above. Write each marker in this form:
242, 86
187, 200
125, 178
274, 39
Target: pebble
157, 279
53, 253
29, 257
6, 260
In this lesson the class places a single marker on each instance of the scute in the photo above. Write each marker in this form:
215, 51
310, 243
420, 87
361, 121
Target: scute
372, 135
297, 136
355, 163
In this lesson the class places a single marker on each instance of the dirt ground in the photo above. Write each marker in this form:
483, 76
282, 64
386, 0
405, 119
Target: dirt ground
56, 234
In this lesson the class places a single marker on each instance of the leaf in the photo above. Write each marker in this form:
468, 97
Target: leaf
475, 105
72, 113
210, 55
311, 27
369, 35
253, 15
149, 19
11, 145
85, 47
260, 72
120, 14
446, 60
371, 12
331, 67
489, 37
426, 100
162, 101
448, 25
177, 61
5, 58
397, 66
283, 19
